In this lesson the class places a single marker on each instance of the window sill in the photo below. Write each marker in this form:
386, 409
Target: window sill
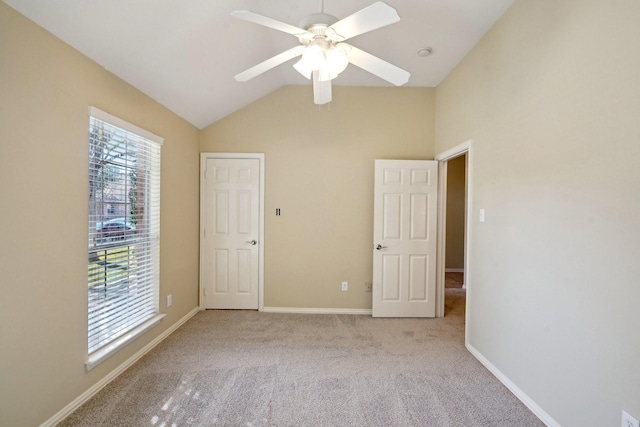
104, 353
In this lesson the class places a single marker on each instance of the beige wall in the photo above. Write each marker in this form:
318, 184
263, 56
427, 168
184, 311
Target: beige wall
319, 172
551, 98
456, 183
45, 89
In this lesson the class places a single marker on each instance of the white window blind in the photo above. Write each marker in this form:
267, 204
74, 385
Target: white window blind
124, 227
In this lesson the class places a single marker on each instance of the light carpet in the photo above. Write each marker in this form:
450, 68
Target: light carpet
245, 368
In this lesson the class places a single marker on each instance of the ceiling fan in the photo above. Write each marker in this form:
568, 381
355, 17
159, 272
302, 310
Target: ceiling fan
323, 51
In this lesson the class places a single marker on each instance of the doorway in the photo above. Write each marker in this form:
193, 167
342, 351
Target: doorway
460, 160
455, 292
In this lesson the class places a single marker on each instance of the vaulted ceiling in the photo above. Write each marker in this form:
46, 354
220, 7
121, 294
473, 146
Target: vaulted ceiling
185, 53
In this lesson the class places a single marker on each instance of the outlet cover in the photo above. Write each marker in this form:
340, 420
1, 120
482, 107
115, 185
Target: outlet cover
367, 287
629, 421
345, 286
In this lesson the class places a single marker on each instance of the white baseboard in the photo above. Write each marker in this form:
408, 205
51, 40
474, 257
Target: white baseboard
76, 403
300, 310
521, 395
454, 270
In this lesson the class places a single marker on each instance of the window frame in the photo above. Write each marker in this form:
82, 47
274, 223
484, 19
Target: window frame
151, 189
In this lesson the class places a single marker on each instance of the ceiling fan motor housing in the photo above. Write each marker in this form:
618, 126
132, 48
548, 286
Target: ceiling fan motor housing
317, 19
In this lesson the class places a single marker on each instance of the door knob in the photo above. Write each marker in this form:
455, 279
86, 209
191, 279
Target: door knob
252, 242
379, 247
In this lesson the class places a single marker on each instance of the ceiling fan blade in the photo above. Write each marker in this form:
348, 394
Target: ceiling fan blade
370, 18
377, 66
270, 22
321, 90
269, 64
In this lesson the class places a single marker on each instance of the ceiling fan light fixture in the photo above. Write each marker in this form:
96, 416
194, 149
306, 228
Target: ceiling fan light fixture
325, 57
315, 53
337, 60
313, 56
302, 68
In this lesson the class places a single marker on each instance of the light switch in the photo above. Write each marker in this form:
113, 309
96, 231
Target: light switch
481, 215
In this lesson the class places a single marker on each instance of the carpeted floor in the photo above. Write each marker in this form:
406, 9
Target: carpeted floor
245, 368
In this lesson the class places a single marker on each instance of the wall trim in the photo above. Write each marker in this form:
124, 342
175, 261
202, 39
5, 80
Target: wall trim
517, 391
454, 270
88, 394
302, 310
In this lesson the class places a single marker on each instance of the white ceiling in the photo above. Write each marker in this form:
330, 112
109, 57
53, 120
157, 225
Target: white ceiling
184, 53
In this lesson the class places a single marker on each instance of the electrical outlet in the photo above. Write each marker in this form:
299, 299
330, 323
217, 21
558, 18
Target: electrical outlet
169, 300
345, 286
629, 421
367, 287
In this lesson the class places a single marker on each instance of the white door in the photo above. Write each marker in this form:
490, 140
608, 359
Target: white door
231, 198
404, 254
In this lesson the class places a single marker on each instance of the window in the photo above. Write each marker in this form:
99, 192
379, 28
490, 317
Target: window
124, 225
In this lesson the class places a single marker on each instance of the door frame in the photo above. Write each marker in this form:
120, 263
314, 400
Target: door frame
442, 158
203, 161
